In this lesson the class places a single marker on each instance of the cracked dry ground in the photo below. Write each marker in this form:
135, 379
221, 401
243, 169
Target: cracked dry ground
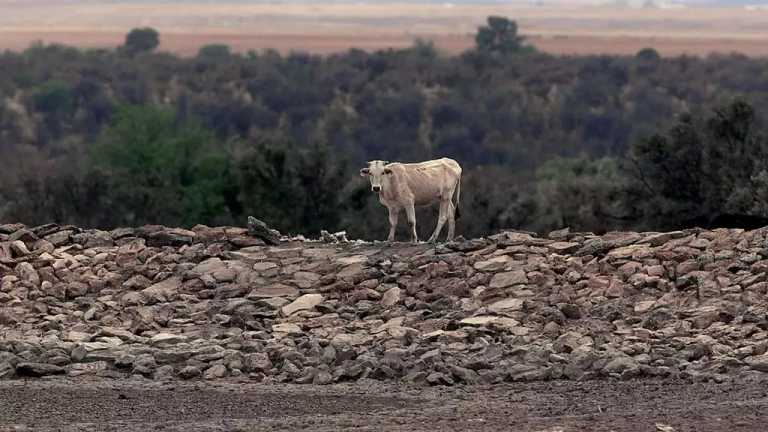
600, 405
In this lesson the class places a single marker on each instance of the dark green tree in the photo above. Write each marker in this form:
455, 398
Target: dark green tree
296, 190
701, 168
499, 35
579, 192
214, 52
55, 100
141, 40
163, 171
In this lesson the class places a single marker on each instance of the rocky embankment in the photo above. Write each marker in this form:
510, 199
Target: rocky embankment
217, 302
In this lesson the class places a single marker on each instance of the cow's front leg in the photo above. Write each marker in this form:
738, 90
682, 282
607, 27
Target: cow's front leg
441, 218
393, 216
410, 211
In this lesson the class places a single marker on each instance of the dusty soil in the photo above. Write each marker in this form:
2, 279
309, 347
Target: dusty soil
326, 27
645, 405
188, 44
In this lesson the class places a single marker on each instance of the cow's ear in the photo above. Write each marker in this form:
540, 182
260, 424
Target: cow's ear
365, 172
387, 171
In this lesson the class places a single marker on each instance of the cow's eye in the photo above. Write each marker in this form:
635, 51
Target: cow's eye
387, 171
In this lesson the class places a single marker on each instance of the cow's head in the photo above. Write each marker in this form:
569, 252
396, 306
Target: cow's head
377, 173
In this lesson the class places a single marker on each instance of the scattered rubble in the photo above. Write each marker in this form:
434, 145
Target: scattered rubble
209, 303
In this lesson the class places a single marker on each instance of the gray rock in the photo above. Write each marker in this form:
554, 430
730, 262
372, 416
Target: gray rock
60, 238
189, 372
144, 365
322, 378
391, 297
7, 370
215, 371
93, 239
273, 290
621, 364
506, 305
162, 292
171, 237
260, 230
503, 280
467, 376
38, 369
563, 247
164, 373
27, 273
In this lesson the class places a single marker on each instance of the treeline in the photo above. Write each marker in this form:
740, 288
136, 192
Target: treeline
130, 136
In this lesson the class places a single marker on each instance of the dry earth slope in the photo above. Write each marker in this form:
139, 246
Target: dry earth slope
211, 303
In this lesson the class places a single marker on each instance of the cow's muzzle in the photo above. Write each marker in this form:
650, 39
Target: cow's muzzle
376, 188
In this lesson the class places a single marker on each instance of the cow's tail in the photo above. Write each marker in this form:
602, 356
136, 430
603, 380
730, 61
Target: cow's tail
457, 213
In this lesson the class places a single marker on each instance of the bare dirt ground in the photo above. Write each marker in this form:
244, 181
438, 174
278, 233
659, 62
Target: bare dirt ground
646, 405
326, 27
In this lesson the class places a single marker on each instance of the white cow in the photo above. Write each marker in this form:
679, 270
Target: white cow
404, 186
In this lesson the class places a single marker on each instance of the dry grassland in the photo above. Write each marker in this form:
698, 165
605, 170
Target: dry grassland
327, 28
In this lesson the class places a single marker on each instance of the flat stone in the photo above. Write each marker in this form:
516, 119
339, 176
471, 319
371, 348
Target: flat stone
644, 306
60, 238
306, 276
506, 279
506, 305
391, 297
305, 302
93, 368
224, 275
758, 363
274, 290
264, 266
355, 259
287, 328
74, 336
350, 272
486, 320
93, 239
164, 291
564, 247
629, 251
165, 339
658, 239
209, 266
492, 265
171, 237
353, 339
318, 253
272, 302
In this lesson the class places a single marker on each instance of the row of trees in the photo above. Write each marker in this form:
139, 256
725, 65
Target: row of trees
131, 136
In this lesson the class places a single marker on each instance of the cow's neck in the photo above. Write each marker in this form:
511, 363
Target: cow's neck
389, 188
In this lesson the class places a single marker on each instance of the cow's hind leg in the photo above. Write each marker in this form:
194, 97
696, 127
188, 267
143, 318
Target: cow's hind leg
441, 218
451, 221
393, 216
410, 211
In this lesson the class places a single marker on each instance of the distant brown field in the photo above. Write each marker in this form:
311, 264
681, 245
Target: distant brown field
328, 28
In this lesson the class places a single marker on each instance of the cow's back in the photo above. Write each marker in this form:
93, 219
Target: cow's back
426, 181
